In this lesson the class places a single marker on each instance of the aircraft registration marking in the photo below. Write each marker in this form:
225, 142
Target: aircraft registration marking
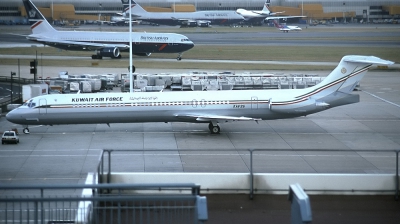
241, 106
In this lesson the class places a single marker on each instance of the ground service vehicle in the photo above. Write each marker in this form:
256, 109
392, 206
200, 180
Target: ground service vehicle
10, 137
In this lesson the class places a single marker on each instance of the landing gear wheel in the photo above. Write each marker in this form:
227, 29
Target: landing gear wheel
179, 57
26, 130
214, 129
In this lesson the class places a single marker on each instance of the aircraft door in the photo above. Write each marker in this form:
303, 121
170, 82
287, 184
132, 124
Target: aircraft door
170, 42
42, 106
194, 103
136, 41
254, 102
203, 103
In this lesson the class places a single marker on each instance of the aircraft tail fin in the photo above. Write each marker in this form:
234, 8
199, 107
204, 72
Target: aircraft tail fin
136, 8
265, 9
351, 69
277, 25
335, 90
38, 22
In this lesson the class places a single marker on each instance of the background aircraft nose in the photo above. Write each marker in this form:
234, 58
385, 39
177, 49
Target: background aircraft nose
190, 46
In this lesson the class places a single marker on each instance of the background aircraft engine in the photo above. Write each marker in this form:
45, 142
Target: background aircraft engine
307, 106
142, 54
112, 52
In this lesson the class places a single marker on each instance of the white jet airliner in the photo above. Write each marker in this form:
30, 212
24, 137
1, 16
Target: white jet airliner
105, 44
198, 106
285, 28
201, 18
257, 17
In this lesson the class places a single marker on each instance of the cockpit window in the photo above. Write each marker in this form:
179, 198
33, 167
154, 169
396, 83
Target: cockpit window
185, 40
31, 104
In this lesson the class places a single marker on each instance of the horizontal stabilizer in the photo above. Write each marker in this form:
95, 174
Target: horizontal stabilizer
366, 60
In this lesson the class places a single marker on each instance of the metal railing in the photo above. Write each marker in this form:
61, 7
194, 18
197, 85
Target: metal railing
104, 166
22, 81
14, 81
121, 204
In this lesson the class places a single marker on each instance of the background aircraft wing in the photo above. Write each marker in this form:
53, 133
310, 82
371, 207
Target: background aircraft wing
174, 18
183, 20
207, 118
283, 17
93, 46
261, 13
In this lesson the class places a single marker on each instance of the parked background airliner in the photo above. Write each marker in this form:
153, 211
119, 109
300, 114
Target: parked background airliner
106, 44
197, 106
257, 17
202, 18
285, 28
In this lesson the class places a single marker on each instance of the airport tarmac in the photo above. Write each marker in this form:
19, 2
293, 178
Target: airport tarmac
368, 35
65, 154
372, 124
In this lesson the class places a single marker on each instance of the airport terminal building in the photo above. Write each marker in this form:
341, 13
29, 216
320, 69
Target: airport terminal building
354, 10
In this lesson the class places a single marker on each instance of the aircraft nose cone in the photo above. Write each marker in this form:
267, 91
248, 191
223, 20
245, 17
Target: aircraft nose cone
189, 46
12, 117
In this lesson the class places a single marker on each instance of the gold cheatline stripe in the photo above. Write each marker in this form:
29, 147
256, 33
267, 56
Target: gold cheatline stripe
305, 96
158, 104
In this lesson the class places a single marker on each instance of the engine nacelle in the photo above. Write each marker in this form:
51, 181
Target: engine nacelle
112, 52
304, 107
142, 54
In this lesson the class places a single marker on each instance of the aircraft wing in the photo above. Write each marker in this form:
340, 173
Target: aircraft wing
207, 118
283, 17
174, 18
261, 13
134, 15
93, 46
183, 20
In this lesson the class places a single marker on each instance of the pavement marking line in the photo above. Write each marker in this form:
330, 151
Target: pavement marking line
49, 156
384, 100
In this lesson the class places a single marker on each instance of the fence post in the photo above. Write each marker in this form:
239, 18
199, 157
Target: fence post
251, 174
109, 167
41, 205
36, 215
397, 176
109, 170
101, 173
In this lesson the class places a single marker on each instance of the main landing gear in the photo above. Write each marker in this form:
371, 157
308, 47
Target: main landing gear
179, 57
214, 128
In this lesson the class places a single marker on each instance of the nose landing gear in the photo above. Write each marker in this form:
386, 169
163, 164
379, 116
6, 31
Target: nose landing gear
179, 57
26, 130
